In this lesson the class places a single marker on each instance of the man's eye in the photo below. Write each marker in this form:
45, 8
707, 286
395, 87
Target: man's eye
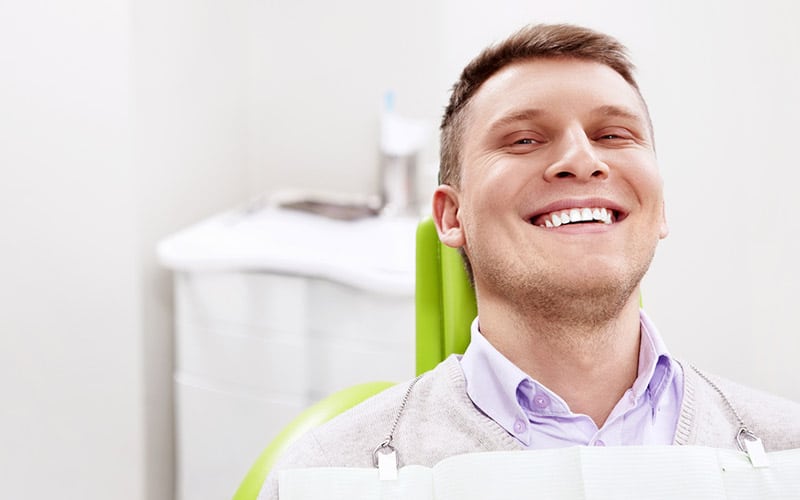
614, 134
523, 142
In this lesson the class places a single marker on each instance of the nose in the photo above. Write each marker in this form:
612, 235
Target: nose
576, 158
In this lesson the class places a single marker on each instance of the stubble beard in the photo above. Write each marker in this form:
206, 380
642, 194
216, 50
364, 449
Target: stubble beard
565, 309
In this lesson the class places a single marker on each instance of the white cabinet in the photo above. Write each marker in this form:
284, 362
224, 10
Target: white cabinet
260, 333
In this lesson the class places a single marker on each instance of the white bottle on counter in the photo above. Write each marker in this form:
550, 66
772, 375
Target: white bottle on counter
400, 143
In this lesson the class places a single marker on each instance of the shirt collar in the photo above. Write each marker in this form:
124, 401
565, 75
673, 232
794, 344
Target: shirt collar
655, 363
492, 382
495, 384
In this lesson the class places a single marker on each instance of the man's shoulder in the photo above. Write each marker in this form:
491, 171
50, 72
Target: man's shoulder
724, 406
775, 418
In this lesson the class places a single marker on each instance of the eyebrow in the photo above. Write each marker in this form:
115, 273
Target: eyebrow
611, 110
517, 116
628, 114
534, 113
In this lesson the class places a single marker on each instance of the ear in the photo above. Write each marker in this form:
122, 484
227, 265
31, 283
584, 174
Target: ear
446, 216
664, 229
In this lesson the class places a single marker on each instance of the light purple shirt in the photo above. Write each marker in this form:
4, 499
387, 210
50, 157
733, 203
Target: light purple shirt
647, 414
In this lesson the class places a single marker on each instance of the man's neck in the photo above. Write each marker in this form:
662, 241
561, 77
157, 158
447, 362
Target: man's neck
589, 364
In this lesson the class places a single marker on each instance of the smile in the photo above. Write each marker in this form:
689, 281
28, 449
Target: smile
575, 216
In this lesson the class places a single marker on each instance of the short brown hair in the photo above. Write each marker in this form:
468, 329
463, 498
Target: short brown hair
531, 42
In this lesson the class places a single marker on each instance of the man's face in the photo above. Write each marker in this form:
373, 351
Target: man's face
560, 190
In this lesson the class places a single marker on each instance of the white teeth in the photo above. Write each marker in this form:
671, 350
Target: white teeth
557, 219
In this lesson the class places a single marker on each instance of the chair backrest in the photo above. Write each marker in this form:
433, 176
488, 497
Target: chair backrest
445, 299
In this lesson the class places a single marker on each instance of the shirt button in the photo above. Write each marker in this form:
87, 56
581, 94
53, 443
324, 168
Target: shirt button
519, 426
541, 401
599, 442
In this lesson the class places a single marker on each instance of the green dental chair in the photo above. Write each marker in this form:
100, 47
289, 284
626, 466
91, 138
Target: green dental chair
445, 307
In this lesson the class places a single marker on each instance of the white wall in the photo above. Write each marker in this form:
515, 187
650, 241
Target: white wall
727, 111
121, 122
726, 101
190, 119
70, 356
319, 74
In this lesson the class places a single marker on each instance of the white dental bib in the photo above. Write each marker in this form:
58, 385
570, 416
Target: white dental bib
630, 472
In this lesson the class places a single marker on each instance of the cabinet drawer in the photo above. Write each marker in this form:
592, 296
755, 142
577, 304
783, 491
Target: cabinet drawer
267, 362
343, 312
335, 364
271, 302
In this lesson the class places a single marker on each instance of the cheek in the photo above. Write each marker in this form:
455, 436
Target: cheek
650, 192
643, 176
494, 184
653, 193
484, 206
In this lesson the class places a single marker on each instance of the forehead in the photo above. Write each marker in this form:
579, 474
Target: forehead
558, 87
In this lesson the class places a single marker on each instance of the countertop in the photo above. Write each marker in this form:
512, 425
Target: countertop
373, 253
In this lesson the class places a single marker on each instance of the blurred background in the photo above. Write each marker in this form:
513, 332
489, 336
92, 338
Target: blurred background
123, 121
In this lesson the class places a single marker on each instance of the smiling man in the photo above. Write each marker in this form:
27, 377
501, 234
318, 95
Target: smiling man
550, 188
555, 198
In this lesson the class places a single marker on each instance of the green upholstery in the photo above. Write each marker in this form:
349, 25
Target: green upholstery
445, 300
445, 307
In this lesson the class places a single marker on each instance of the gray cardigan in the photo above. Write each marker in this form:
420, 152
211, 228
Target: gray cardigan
440, 420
